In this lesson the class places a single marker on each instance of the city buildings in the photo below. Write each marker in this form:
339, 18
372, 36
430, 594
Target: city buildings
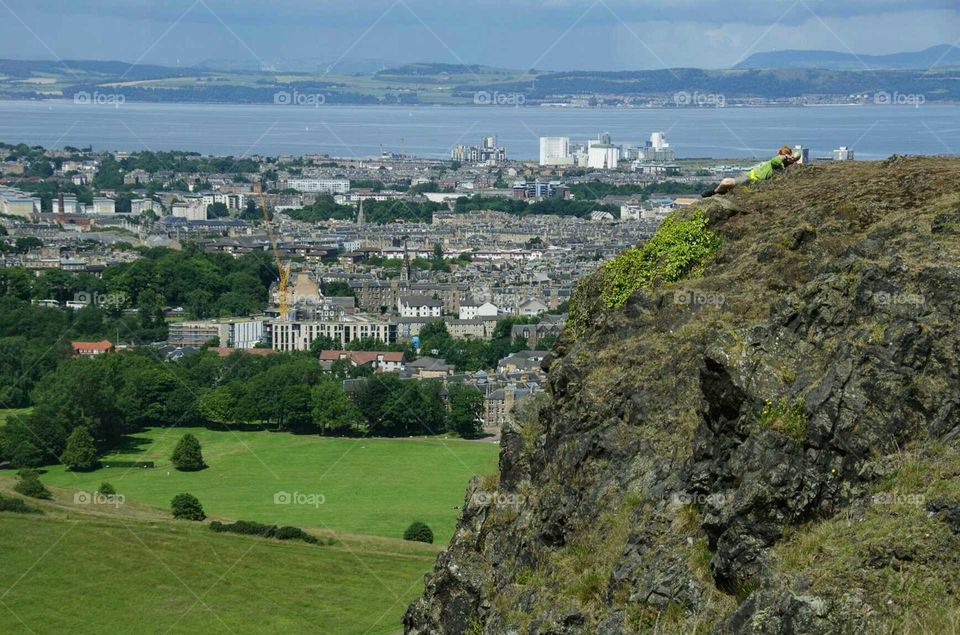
555, 151
378, 361
538, 189
419, 306
487, 153
843, 153
298, 335
243, 333
602, 154
319, 186
657, 150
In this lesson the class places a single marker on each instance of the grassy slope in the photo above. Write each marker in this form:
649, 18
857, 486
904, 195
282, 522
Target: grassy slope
99, 570
370, 486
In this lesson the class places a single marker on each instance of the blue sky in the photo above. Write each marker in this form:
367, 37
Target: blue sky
545, 34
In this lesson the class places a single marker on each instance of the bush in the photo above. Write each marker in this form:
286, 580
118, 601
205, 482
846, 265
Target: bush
187, 456
81, 452
418, 532
107, 489
187, 507
294, 533
29, 484
250, 528
17, 506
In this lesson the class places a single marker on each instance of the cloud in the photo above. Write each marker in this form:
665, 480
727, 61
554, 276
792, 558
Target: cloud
550, 34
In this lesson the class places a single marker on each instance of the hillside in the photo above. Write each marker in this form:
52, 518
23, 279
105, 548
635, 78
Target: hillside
753, 427
131, 569
454, 84
933, 57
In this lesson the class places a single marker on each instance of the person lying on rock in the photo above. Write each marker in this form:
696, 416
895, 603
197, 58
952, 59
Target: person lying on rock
784, 159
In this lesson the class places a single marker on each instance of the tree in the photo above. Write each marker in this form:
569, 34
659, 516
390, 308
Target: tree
187, 507
418, 532
323, 343
333, 411
466, 408
217, 210
81, 452
217, 405
107, 489
547, 341
187, 456
28, 483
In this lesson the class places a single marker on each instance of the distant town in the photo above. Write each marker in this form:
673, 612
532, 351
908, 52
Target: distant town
373, 250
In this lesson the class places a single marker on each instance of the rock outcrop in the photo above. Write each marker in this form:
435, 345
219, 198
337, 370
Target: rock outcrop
767, 443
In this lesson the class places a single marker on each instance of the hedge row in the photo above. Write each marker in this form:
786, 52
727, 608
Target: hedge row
250, 528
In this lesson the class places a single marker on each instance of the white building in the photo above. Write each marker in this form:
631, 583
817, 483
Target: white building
532, 307
320, 186
603, 157
555, 151
104, 206
843, 153
16, 203
657, 149
191, 209
298, 335
231, 332
631, 210
472, 310
140, 205
232, 201
419, 306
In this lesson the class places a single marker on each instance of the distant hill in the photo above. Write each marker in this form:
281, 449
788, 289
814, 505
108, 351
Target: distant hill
933, 57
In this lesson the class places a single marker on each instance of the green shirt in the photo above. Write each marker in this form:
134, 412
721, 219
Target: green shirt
766, 169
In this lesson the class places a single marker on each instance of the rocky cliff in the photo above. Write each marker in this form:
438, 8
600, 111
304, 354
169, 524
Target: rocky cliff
753, 426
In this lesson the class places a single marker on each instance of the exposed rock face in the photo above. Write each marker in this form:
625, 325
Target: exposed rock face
710, 447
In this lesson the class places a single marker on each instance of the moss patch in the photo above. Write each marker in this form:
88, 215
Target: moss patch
785, 417
677, 251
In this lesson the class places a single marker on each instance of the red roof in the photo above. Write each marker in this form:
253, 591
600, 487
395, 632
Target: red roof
102, 345
361, 358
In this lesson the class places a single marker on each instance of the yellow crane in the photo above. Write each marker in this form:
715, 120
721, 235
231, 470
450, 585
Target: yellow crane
283, 269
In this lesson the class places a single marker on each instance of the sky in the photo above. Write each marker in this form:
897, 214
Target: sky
525, 34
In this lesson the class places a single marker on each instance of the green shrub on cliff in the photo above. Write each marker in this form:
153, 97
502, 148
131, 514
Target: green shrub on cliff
677, 250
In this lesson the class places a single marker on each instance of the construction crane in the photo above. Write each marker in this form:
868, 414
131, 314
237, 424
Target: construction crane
283, 269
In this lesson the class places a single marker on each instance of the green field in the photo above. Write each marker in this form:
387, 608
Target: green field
368, 486
85, 570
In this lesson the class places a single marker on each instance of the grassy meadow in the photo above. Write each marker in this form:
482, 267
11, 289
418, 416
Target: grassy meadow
360, 486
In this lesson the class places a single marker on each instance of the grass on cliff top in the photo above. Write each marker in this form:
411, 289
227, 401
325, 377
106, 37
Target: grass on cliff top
676, 251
